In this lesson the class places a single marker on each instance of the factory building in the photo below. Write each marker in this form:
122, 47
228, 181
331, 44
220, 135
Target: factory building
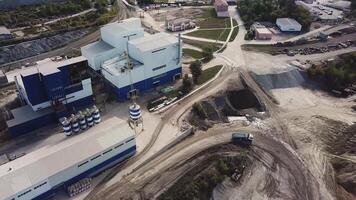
42, 172
48, 91
288, 25
154, 59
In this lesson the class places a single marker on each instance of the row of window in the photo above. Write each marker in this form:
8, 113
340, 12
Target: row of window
28, 191
105, 152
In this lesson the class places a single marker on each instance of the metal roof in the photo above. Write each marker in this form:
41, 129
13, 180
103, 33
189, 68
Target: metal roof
31, 169
155, 41
288, 22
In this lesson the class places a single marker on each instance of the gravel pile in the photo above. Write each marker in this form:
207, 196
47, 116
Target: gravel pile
35, 47
288, 79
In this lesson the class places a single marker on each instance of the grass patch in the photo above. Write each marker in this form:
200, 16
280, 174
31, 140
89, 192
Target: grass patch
234, 22
208, 74
203, 45
235, 31
219, 34
193, 53
208, 19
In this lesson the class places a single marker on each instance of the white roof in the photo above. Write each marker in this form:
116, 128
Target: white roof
47, 66
97, 48
287, 22
4, 31
155, 41
24, 172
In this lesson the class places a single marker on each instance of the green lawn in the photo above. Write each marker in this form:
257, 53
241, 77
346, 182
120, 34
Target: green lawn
203, 45
234, 34
193, 53
219, 34
234, 22
209, 20
208, 74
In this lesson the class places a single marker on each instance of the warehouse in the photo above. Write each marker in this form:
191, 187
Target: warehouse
261, 32
56, 166
155, 59
288, 25
50, 90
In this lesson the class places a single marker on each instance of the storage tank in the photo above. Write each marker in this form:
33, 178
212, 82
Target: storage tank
75, 124
135, 112
67, 128
82, 121
96, 115
89, 117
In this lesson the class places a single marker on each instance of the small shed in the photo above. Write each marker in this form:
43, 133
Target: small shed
221, 8
288, 25
263, 34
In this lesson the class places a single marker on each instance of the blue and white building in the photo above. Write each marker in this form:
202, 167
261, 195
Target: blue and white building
156, 58
48, 91
56, 166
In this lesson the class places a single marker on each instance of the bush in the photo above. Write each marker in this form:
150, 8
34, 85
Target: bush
249, 35
196, 70
187, 84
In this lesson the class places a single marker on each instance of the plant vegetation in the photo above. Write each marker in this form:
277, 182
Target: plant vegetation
270, 10
208, 74
339, 74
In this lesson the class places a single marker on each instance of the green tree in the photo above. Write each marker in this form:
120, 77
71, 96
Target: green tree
207, 54
196, 70
187, 84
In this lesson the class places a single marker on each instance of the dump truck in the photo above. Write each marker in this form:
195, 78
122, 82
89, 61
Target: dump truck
242, 138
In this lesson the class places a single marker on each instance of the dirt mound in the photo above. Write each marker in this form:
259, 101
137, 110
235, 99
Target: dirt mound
243, 99
288, 79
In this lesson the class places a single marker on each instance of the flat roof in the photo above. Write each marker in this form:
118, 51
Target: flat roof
263, 30
97, 47
123, 25
46, 66
31, 169
25, 113
155, 41
114, 65
287, 22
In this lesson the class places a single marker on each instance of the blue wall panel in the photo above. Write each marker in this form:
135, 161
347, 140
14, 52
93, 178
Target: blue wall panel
35, 89
80, 104
168, 77
54, 86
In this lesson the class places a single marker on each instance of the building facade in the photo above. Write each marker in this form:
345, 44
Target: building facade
48, 91
153, 59
221, 8
180, 24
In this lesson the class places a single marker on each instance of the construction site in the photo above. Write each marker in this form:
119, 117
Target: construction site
118, 120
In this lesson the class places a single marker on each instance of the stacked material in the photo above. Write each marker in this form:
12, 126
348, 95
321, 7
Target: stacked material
79, 187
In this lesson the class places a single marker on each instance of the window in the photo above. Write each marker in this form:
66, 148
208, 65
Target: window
160, 67
119, 145
156, 83
107, 151
83, 163
40, 185
129, 140
158, 50
24, 193
96, 157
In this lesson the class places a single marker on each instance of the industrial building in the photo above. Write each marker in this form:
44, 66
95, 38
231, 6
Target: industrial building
221, 8
288, 25
180, 24
261, 32
48, 91
125, 55
56, 166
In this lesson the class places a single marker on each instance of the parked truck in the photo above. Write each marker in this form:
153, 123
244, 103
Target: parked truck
242, 138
